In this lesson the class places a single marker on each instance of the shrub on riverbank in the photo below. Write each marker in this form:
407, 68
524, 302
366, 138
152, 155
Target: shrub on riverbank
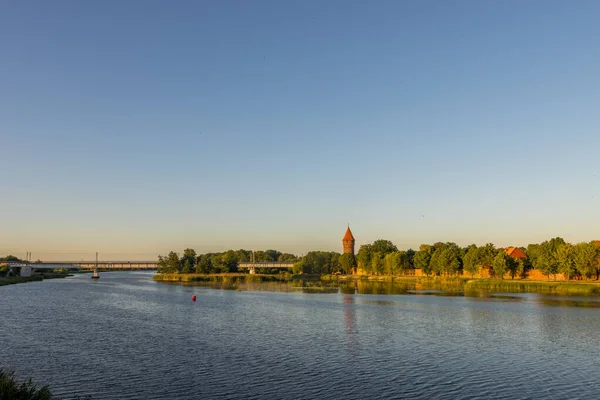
11, 389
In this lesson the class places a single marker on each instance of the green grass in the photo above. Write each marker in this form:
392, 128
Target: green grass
510, 286
397, 284
17, 279
223, 278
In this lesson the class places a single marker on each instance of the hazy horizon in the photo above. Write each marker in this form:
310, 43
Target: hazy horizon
137, 128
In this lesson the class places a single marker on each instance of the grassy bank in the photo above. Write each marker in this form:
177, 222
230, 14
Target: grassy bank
460, 284
223, 278
17, 279
34, 278
506, 286
395, 284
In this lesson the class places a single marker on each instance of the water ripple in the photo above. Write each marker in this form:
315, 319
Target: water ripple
127, 337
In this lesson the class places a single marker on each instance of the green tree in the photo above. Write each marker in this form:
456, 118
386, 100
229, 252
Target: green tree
521, 267
487, 253
502, 264
566, 260
204, 264
449, 260
189, 257
187, 267
410, 258
229, 261
383, 247
545, 260
243, 255
10, 258
532, 252
422, 258
298, 267
436, 262
363, 257
169, 264
273, 255
377, 263
471, 260
391, 263
585, 258
347, 263
287, 257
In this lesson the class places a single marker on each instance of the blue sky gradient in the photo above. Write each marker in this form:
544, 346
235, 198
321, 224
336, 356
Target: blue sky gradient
136, 127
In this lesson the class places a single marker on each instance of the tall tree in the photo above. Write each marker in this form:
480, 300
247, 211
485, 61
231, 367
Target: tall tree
189, 257
383, 247
585, 258
449, 260
487, 253
169, 264
545, 260
287, 257
347, 263
502, 264
273, 255
471, 260
565, 260
422, 258
377, 263
363, 257
204, 264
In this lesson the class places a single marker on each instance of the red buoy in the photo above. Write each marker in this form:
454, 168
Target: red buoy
194, 298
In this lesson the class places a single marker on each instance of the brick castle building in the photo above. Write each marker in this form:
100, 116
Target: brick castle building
348, 242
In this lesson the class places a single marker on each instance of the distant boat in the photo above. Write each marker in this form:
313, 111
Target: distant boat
95, 275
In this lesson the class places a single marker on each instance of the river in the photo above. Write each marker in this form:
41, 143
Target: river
128, 337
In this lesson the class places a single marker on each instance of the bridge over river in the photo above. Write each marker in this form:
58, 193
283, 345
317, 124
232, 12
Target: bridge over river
135, 265
115, 265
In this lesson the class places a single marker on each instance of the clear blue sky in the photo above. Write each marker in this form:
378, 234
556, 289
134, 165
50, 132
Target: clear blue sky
136, 127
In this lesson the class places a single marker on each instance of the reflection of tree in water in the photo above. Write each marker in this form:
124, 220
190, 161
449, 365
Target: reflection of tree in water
351, 328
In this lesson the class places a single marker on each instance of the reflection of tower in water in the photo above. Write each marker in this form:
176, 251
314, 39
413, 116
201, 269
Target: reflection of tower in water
351, 329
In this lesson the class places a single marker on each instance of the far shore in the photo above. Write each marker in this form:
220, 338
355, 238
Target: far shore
450, 284
11, 280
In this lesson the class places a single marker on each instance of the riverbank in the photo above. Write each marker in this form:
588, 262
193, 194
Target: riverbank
11, 280
402, 283
226, 278
460, 284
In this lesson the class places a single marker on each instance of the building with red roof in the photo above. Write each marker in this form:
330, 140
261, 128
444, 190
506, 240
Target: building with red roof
515, 252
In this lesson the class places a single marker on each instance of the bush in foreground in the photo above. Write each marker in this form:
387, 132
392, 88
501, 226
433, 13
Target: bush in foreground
10, 389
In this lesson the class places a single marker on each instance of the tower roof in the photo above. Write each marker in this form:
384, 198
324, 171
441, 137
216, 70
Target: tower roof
348, 236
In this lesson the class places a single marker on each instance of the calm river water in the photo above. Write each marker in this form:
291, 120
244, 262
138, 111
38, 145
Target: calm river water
127, 337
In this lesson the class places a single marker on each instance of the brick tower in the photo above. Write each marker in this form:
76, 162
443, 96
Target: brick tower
348, 242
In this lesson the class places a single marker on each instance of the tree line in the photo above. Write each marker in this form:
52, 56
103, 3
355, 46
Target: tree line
581, 260
382, 257
214, 263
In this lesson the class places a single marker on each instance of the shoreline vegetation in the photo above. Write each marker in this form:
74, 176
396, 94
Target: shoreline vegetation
6, 278
12, 388
553, 267
386, 284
